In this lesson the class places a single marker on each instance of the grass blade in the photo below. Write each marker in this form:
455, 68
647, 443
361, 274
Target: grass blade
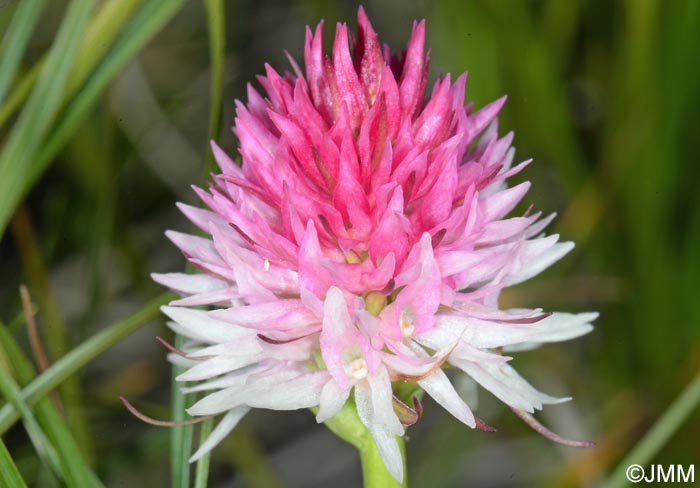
80, 356
41, 109
55, 329
21, 91
15, 41
99, 36
45, 450
660, 432
146, 23
9, 475
75, 471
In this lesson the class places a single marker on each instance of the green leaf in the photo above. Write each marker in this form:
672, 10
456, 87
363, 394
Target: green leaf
15, 41
21, 91
99, 37
45, 450
80, 356
75, 471
40, 110
9, 475
643, 453
145, 24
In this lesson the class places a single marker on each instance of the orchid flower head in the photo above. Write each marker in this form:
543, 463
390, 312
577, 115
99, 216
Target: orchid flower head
362, 241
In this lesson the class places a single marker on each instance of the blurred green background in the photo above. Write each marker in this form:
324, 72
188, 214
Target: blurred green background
105, 113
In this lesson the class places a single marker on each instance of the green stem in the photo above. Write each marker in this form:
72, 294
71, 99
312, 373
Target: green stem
202, 471
216, 18
347, 425
660, 432
180, 435
374, 473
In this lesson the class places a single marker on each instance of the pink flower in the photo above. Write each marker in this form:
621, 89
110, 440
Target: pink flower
363, 240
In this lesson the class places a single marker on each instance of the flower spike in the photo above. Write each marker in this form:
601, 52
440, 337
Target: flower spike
363, 241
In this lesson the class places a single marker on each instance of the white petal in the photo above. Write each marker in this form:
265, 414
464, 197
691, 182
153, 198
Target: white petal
224, 296
216, 366
223, 428
279, 314
466, 352
363, 403
236, 395
473, 332
382, 401
201, 251
538, 227
236, 378
383, 438
178, 360
443, 334
564, 326
409, 365
502, 230
198, 325
488, 334
388, 450
438, 386
218, 402
189, 284
244, 346
502, 391
301, 392
556, 328
506, 384
332, 400
538, 255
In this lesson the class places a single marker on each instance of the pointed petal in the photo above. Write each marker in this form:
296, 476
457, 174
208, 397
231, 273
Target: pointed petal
189, 284
506, 384
333, 397
438, 386
536, 260
382, 436
301, 392
198, 325
223, 428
